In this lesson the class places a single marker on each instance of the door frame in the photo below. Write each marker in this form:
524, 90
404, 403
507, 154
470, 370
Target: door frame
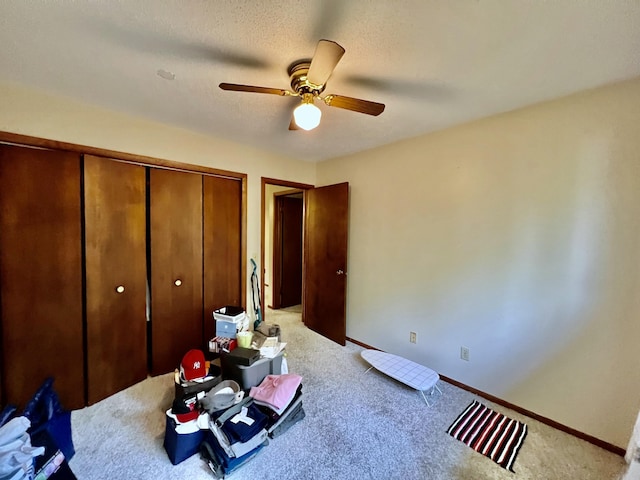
264, 181
276, 263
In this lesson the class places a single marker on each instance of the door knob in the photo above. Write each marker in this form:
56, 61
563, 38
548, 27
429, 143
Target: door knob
120, 288
178, 282
339, 272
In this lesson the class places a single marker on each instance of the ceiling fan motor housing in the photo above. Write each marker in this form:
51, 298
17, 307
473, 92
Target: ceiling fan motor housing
299, 83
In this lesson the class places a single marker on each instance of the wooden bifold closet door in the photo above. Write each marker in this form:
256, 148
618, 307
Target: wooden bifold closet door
175, 202
109, 270
41, 274
116, 275
222, 247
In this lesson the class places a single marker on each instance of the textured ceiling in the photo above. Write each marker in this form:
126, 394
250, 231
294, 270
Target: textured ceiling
433, 63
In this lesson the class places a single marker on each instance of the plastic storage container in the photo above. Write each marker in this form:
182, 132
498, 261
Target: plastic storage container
252, 375
229, 313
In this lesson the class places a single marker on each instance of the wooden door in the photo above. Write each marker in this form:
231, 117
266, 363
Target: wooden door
175, 201
287, 251
116, 275
222, 246
41, 274
325, 269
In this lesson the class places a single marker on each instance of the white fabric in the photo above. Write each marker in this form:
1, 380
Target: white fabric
203, 421
633, 454
633, 450
16, 452
243, 417
186, 427
633, 473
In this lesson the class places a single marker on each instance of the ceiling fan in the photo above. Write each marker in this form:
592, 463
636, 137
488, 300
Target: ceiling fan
308, 81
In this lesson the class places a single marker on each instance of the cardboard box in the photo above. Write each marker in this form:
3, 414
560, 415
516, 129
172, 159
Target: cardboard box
222, 344
243, 356
225, 328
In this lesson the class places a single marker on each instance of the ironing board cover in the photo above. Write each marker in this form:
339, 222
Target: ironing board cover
410, 373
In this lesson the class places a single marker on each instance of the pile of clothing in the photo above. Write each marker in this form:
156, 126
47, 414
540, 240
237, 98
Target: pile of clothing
228, 426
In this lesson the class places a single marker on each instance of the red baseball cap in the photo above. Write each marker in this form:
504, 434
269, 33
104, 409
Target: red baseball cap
193, 366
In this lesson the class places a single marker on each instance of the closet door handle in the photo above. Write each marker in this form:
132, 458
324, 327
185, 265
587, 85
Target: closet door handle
120, 289
178, 282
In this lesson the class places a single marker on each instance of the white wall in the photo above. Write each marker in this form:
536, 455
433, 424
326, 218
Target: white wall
517, 236
34, 113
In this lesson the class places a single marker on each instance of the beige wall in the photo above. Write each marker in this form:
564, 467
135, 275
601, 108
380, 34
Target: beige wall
29, 112
518, 237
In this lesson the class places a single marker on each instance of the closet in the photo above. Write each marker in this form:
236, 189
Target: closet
109, 269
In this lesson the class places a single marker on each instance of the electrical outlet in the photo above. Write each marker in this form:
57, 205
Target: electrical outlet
412, 337
464, 353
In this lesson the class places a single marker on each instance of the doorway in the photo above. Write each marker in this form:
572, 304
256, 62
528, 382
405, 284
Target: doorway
286, 265
324, 254
276, 291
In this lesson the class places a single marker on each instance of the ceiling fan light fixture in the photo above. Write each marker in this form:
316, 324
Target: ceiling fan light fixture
308, 79
307, 115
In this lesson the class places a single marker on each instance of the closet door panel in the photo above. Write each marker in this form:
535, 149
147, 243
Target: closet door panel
41, 274
222, 247
116, 273
175, 200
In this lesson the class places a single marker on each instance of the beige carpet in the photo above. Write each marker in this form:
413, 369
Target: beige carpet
358, 426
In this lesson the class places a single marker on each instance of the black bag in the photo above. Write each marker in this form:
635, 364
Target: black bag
51, 429
45, 412
53, 464
7, 414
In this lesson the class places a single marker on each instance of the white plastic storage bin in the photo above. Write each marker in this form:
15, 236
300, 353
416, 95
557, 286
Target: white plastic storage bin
230, 314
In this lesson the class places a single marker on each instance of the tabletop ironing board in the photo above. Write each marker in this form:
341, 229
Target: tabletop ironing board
410, 373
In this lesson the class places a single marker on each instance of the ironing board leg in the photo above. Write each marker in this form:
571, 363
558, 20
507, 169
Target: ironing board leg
367, 370
435, 387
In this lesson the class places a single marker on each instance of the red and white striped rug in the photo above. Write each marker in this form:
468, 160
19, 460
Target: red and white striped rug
489, 433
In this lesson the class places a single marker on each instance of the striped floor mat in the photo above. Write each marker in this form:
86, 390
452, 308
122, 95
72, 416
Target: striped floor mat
489, 433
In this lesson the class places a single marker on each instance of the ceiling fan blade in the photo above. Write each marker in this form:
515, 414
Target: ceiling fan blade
354, 104
324, 60
249, 88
